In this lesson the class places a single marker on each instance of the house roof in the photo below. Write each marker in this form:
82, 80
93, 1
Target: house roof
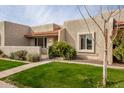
46, 33
119, 22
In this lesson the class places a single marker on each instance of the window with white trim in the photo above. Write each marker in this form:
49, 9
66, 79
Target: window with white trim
85, 42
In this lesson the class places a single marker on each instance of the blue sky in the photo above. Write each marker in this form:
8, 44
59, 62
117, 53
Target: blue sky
37, 15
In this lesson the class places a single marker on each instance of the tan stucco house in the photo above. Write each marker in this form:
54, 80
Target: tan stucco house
89, 45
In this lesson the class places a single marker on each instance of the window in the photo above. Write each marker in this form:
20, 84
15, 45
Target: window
85, 42
41, 41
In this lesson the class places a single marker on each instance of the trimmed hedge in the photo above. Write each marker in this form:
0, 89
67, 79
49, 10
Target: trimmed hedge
62, 49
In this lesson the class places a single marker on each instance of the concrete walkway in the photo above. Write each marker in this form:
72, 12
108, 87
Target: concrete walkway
16, 70
93, 64
11, 71
30, 65
6, 85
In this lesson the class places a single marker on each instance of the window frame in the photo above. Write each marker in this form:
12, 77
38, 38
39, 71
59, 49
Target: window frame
43, 41
79, 43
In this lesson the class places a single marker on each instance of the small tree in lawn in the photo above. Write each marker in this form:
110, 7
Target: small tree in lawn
104, 31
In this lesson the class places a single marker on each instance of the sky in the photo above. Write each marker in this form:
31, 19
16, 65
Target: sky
44, 14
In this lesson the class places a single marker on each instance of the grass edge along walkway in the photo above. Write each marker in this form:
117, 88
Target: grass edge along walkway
58, 74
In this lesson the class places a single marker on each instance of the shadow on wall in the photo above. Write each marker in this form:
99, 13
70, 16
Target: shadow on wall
73, 43
79, 56
70, 39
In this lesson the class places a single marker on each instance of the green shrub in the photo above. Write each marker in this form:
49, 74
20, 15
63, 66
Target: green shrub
70, 54
118, 53
3, 55
33, 57
1, 52
62, 49
19, 55
52, 52
119, 40
118, 46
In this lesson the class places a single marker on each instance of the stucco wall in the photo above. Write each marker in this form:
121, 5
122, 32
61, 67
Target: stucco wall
75, 26
2, 38
46, 27
102, 42
32, 42
72, 29
14, 34
61, 35
30, 49
51, 40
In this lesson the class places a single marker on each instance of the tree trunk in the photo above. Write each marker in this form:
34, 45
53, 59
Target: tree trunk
105, 60
105, 69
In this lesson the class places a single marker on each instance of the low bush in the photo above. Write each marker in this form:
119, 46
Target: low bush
33, 57
119, 40
3, 55
118, 47
53, 52
62, 49
118, 53
1, 52
70, 54
19, 55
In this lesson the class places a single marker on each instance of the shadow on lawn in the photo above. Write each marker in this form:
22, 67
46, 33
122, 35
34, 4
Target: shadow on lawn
93, 83
113, 83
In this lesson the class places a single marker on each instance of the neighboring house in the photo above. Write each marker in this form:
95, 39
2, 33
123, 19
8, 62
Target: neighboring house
89, 45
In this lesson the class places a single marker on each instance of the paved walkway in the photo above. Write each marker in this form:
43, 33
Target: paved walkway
30, 65
20, 68
93, 64
16, 70
6, 85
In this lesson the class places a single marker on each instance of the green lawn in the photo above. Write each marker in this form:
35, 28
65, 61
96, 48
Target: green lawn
64, 75
5, 64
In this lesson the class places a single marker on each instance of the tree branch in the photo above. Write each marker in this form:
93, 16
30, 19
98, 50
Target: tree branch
94, 20
87, 25
102, 13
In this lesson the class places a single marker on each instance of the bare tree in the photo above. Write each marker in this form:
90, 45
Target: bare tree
104, 30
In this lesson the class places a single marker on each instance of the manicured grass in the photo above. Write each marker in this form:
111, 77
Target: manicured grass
63, 75
5, 64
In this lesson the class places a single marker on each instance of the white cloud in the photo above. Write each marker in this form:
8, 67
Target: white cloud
36, 15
